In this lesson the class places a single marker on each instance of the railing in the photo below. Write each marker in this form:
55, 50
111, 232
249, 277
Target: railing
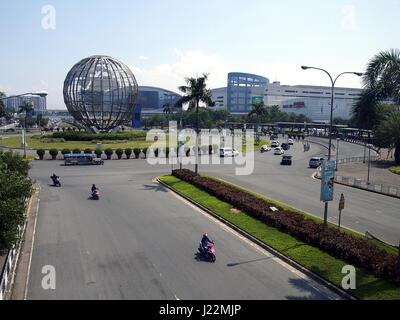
358, 159
11, 260
385, 189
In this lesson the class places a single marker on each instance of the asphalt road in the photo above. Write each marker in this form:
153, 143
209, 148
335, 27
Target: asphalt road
139, 242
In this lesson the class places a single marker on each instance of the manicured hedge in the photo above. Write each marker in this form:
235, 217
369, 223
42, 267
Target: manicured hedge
355, 251
84, 136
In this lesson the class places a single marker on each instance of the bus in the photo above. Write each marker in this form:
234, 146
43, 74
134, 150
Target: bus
82, 159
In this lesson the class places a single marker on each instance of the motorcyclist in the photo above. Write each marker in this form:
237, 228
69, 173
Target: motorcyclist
94, 187
205, 240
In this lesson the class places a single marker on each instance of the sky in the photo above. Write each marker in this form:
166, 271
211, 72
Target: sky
164, 41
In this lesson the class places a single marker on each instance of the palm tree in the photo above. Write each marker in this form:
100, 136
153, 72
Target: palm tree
27, 108
259, 111
388, 134
195, 92
167, 109
381, 82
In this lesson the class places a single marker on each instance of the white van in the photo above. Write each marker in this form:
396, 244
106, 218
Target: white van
228, 152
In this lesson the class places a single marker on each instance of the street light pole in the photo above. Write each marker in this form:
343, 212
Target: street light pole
333, 82
369, 162
337, 153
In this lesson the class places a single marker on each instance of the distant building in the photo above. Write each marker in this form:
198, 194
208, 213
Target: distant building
152, 99
39, 103
220, 98
244, 89
312, 101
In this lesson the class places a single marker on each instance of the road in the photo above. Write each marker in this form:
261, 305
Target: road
139, 242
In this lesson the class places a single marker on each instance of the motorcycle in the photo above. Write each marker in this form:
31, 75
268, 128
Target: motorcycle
56, 181
95, 194
209, 252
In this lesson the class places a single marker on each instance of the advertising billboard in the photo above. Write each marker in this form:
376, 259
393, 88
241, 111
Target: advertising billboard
257, 99
327, 180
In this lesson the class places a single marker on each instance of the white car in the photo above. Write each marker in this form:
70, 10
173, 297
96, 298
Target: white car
290, 142
228, 152
275, 144
278, 151
265, 148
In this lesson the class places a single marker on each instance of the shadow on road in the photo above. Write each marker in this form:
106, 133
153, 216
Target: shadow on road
308, 292
154, 187
244, 262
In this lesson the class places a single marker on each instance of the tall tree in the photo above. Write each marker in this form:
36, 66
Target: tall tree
27, 108
260, 111
195, 92
381, 82
387, 135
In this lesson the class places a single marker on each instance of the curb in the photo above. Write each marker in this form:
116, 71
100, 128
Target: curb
343, 294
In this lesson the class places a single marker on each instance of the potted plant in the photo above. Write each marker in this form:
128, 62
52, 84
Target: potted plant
109, 152
128, 153
65, 151
53, 153
145, 150
76, 150
41, 153
136, 151
119, 152
87, 151
98, 153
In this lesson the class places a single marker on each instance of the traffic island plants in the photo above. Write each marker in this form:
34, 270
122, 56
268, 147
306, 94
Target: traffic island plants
322, 249
53, 153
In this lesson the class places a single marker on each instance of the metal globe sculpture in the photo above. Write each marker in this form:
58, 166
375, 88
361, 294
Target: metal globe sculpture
100, 93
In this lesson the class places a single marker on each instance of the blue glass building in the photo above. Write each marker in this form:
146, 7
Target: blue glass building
243, 90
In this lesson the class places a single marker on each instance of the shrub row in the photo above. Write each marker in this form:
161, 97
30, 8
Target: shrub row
356, 251
84, 136
128, 152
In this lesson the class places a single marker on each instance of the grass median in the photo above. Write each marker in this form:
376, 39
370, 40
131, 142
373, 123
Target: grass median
312, 258
395, 169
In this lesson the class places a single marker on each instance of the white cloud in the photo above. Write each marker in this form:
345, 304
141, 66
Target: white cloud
188, 64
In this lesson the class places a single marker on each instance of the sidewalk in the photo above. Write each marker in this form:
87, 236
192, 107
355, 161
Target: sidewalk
379, 172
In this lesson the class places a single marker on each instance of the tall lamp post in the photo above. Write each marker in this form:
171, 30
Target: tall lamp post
333, 82
337, 153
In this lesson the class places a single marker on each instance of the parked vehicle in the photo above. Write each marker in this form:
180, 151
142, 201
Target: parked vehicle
228, 152
278, 151
315, 162
275, 144
290, 142
208, 252
286, 160
265, 148
285, 146
82, 159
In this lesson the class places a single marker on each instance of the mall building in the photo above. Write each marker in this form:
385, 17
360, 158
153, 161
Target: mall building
244, 89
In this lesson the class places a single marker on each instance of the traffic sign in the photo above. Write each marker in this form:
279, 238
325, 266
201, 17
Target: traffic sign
341, 202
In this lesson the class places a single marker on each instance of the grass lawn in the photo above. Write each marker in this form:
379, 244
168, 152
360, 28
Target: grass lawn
395, 169
368, 286
34, 143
